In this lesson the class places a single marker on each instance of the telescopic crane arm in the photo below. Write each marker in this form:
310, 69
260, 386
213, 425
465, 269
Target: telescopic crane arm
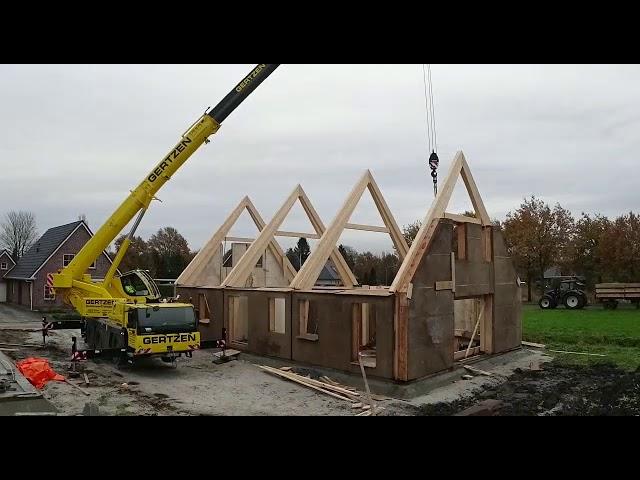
140, 198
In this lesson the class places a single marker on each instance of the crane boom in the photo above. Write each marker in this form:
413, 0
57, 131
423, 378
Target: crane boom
143, 194
125, 314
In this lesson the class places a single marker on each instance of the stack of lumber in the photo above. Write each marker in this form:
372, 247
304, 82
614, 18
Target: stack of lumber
324, 385
618, 290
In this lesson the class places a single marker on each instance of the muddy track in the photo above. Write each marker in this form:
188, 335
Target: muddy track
558, 390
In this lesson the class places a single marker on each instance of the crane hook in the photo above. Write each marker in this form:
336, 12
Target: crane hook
434, 161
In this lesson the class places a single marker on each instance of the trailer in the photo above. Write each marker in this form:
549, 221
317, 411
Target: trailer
609, 294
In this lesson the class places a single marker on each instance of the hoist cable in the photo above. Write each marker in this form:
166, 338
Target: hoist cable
434, 161
433, 112
426, 108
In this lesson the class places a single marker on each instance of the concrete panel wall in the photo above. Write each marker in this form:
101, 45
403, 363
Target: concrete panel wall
431, 312
473, 274
213, 330
332, 314
261, 341
507, 310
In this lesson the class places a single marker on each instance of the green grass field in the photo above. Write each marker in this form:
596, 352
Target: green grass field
614, 333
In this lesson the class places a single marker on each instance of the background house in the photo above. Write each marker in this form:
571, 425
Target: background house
329, 276
26, 282
6, 264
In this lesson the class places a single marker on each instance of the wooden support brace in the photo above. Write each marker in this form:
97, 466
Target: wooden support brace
401, 329
311, 236
366, 228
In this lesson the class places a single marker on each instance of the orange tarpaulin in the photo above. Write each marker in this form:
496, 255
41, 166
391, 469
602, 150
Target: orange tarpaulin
38, 371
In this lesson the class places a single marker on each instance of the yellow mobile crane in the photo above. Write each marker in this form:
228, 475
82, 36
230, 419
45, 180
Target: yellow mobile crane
125, 312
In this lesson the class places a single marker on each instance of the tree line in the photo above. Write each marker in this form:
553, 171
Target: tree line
165, 254
594, 247
538, 237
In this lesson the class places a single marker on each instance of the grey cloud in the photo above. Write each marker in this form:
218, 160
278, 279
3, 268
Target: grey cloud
76, 138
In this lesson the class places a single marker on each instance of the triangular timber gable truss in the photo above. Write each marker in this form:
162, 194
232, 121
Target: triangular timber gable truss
196, 273
241, 272
308, 274
423, 239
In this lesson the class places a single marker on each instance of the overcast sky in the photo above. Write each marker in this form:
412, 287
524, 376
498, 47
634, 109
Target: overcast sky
76, 138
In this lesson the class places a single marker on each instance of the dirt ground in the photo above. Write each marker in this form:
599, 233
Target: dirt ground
199, 387
196, 386
558, 390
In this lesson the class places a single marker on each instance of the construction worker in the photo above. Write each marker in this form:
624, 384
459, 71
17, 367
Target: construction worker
46, 326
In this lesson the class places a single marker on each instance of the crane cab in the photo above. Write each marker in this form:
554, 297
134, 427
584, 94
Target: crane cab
162, 328
138, 283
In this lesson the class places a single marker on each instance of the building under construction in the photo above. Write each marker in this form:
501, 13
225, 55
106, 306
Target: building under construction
456, 293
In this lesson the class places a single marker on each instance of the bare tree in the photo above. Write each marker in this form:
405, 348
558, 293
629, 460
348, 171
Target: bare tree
18, 232
83, 217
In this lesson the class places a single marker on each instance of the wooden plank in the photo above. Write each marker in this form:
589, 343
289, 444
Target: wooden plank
311, 236
401, 338
462, 354
478, 371
462, 333
446, 285
578, 353
617, 290
617, 285
227, 353
535, 345
303, 306
382, 292
76, 386
366, 228
462, 218
475, 330
239, 239
618, 295
486, 326
461, 235
453, 272
329, 389
28, 345
356, 334
487, 243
